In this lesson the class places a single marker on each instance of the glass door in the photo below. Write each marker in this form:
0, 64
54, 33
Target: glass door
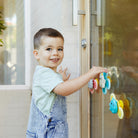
114, 44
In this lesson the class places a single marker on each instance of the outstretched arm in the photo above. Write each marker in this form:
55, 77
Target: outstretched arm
70, 86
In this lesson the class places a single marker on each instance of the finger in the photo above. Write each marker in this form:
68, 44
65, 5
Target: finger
65, 70
101, 70
60, 69
68, 76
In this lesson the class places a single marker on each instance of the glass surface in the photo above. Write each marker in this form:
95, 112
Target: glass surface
12, 56
118, 51
121, 57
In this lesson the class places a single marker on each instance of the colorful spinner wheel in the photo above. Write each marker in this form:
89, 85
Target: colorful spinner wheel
115, 106
93, 85
105, 82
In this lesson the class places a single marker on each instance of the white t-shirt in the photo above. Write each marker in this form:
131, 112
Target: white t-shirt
44, 81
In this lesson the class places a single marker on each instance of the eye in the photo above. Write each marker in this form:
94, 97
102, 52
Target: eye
48, 49
60, 49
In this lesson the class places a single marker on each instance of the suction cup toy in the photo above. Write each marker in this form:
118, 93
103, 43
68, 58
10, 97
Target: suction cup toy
113, 106
105, 82
116, 107
128, 105
93, 85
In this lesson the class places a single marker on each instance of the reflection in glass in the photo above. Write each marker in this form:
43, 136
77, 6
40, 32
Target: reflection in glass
12, 61
121, 57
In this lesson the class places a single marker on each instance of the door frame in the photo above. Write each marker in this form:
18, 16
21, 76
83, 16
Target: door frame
85, 66
91, 108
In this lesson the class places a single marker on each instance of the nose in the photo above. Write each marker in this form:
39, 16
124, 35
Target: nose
54, 52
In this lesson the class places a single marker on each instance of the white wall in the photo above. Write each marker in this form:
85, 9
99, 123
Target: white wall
58, 14
14, 105
14, 109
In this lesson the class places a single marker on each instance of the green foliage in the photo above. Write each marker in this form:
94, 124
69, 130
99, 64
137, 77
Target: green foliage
2, 27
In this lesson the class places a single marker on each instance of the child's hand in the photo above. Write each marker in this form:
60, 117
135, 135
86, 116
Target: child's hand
95, 71
64, 74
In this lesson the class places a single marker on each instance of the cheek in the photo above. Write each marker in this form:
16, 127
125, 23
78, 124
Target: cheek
46, 55
62, 54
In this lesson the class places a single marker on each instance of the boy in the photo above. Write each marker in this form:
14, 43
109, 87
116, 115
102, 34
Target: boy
48, 107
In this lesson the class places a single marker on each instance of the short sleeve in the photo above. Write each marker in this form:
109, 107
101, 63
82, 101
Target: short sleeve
49, 79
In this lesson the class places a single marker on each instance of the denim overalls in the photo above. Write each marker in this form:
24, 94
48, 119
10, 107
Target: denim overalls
52, 126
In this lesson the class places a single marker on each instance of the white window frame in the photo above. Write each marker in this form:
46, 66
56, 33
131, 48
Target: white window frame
27, 43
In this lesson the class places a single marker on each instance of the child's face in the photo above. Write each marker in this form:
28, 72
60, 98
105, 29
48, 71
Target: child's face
51, 52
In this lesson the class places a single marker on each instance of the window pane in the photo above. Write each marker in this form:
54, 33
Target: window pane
12, 55
115, 46
121, 56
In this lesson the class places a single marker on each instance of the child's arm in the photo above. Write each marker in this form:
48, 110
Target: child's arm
70, 86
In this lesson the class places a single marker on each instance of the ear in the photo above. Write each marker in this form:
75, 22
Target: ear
36, 55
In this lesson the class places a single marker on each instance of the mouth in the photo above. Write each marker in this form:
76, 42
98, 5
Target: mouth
54, 60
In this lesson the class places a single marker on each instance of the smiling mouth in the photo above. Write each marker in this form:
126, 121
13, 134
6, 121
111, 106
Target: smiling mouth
55, 60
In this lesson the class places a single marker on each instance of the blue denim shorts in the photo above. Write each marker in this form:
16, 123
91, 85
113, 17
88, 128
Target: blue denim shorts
52, 126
